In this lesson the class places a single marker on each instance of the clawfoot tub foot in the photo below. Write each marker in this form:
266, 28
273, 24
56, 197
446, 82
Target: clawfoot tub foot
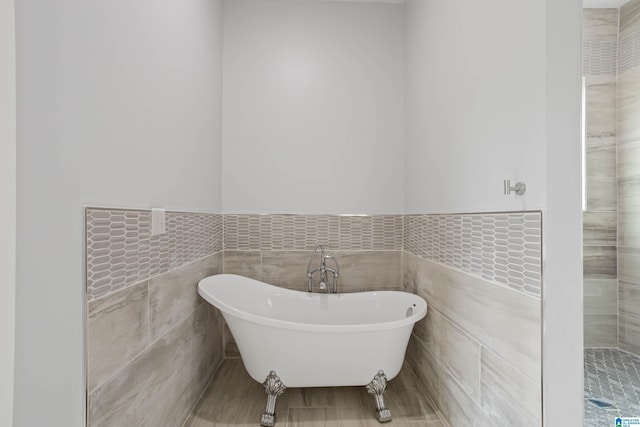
274, 388
376, 387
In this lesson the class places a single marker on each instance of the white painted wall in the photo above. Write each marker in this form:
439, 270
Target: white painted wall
475, 105
119, 104
562, 349
313, 107
8, 211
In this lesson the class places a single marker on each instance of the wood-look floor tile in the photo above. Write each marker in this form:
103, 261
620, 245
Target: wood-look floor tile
222, 401
234, 399
313, 397
355, 407
313, 417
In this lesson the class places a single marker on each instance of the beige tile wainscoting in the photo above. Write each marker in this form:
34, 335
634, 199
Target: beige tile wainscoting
478, 351
276, 248
153, 344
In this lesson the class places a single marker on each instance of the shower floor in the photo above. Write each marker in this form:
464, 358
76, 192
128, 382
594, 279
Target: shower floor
611, 386
234, 399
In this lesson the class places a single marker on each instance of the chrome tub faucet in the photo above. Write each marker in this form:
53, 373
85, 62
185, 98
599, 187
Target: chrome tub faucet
324, 271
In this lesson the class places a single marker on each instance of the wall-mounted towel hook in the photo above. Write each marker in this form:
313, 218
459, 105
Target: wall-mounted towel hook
520, 188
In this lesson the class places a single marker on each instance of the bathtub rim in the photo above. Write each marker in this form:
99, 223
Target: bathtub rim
418, 314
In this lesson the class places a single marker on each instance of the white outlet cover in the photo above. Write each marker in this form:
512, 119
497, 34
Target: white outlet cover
158, 221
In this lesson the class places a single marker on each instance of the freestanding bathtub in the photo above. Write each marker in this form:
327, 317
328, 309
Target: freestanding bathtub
301, 339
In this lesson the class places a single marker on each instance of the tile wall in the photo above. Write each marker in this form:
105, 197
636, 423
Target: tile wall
600, 64
629, 178
480, 344
152, 342
276, 248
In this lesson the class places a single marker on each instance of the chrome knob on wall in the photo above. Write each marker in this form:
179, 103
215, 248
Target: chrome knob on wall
520, 188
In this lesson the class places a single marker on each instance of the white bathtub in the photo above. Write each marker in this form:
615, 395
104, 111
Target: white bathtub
317, 339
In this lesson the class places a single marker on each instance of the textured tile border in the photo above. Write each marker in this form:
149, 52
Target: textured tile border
629, 52
304, 232
120, 250
600, 57
501, 247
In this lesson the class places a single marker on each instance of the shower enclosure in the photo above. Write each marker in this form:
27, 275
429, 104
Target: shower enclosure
611, 73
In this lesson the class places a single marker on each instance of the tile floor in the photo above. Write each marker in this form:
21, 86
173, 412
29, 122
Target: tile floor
611, 377
234, 399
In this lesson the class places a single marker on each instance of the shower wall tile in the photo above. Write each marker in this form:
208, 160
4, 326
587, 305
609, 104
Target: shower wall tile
500, 382
628, 122
304, 232
175, 294
601, 156
629, 162
629, 334
600, 92
120, 250
599, 228
117, 331
629, 300
601, 123
600, 296
601, 193
627, 82
501, 247
629, 178
600, 262
244, 263
600, 50
600, 24
629, 194
628, 229
601, 330
629, 264
629, 18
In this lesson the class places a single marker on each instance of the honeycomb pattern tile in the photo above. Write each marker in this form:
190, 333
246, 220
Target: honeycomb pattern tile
303, 232
120, 250
611, 386
503, 247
